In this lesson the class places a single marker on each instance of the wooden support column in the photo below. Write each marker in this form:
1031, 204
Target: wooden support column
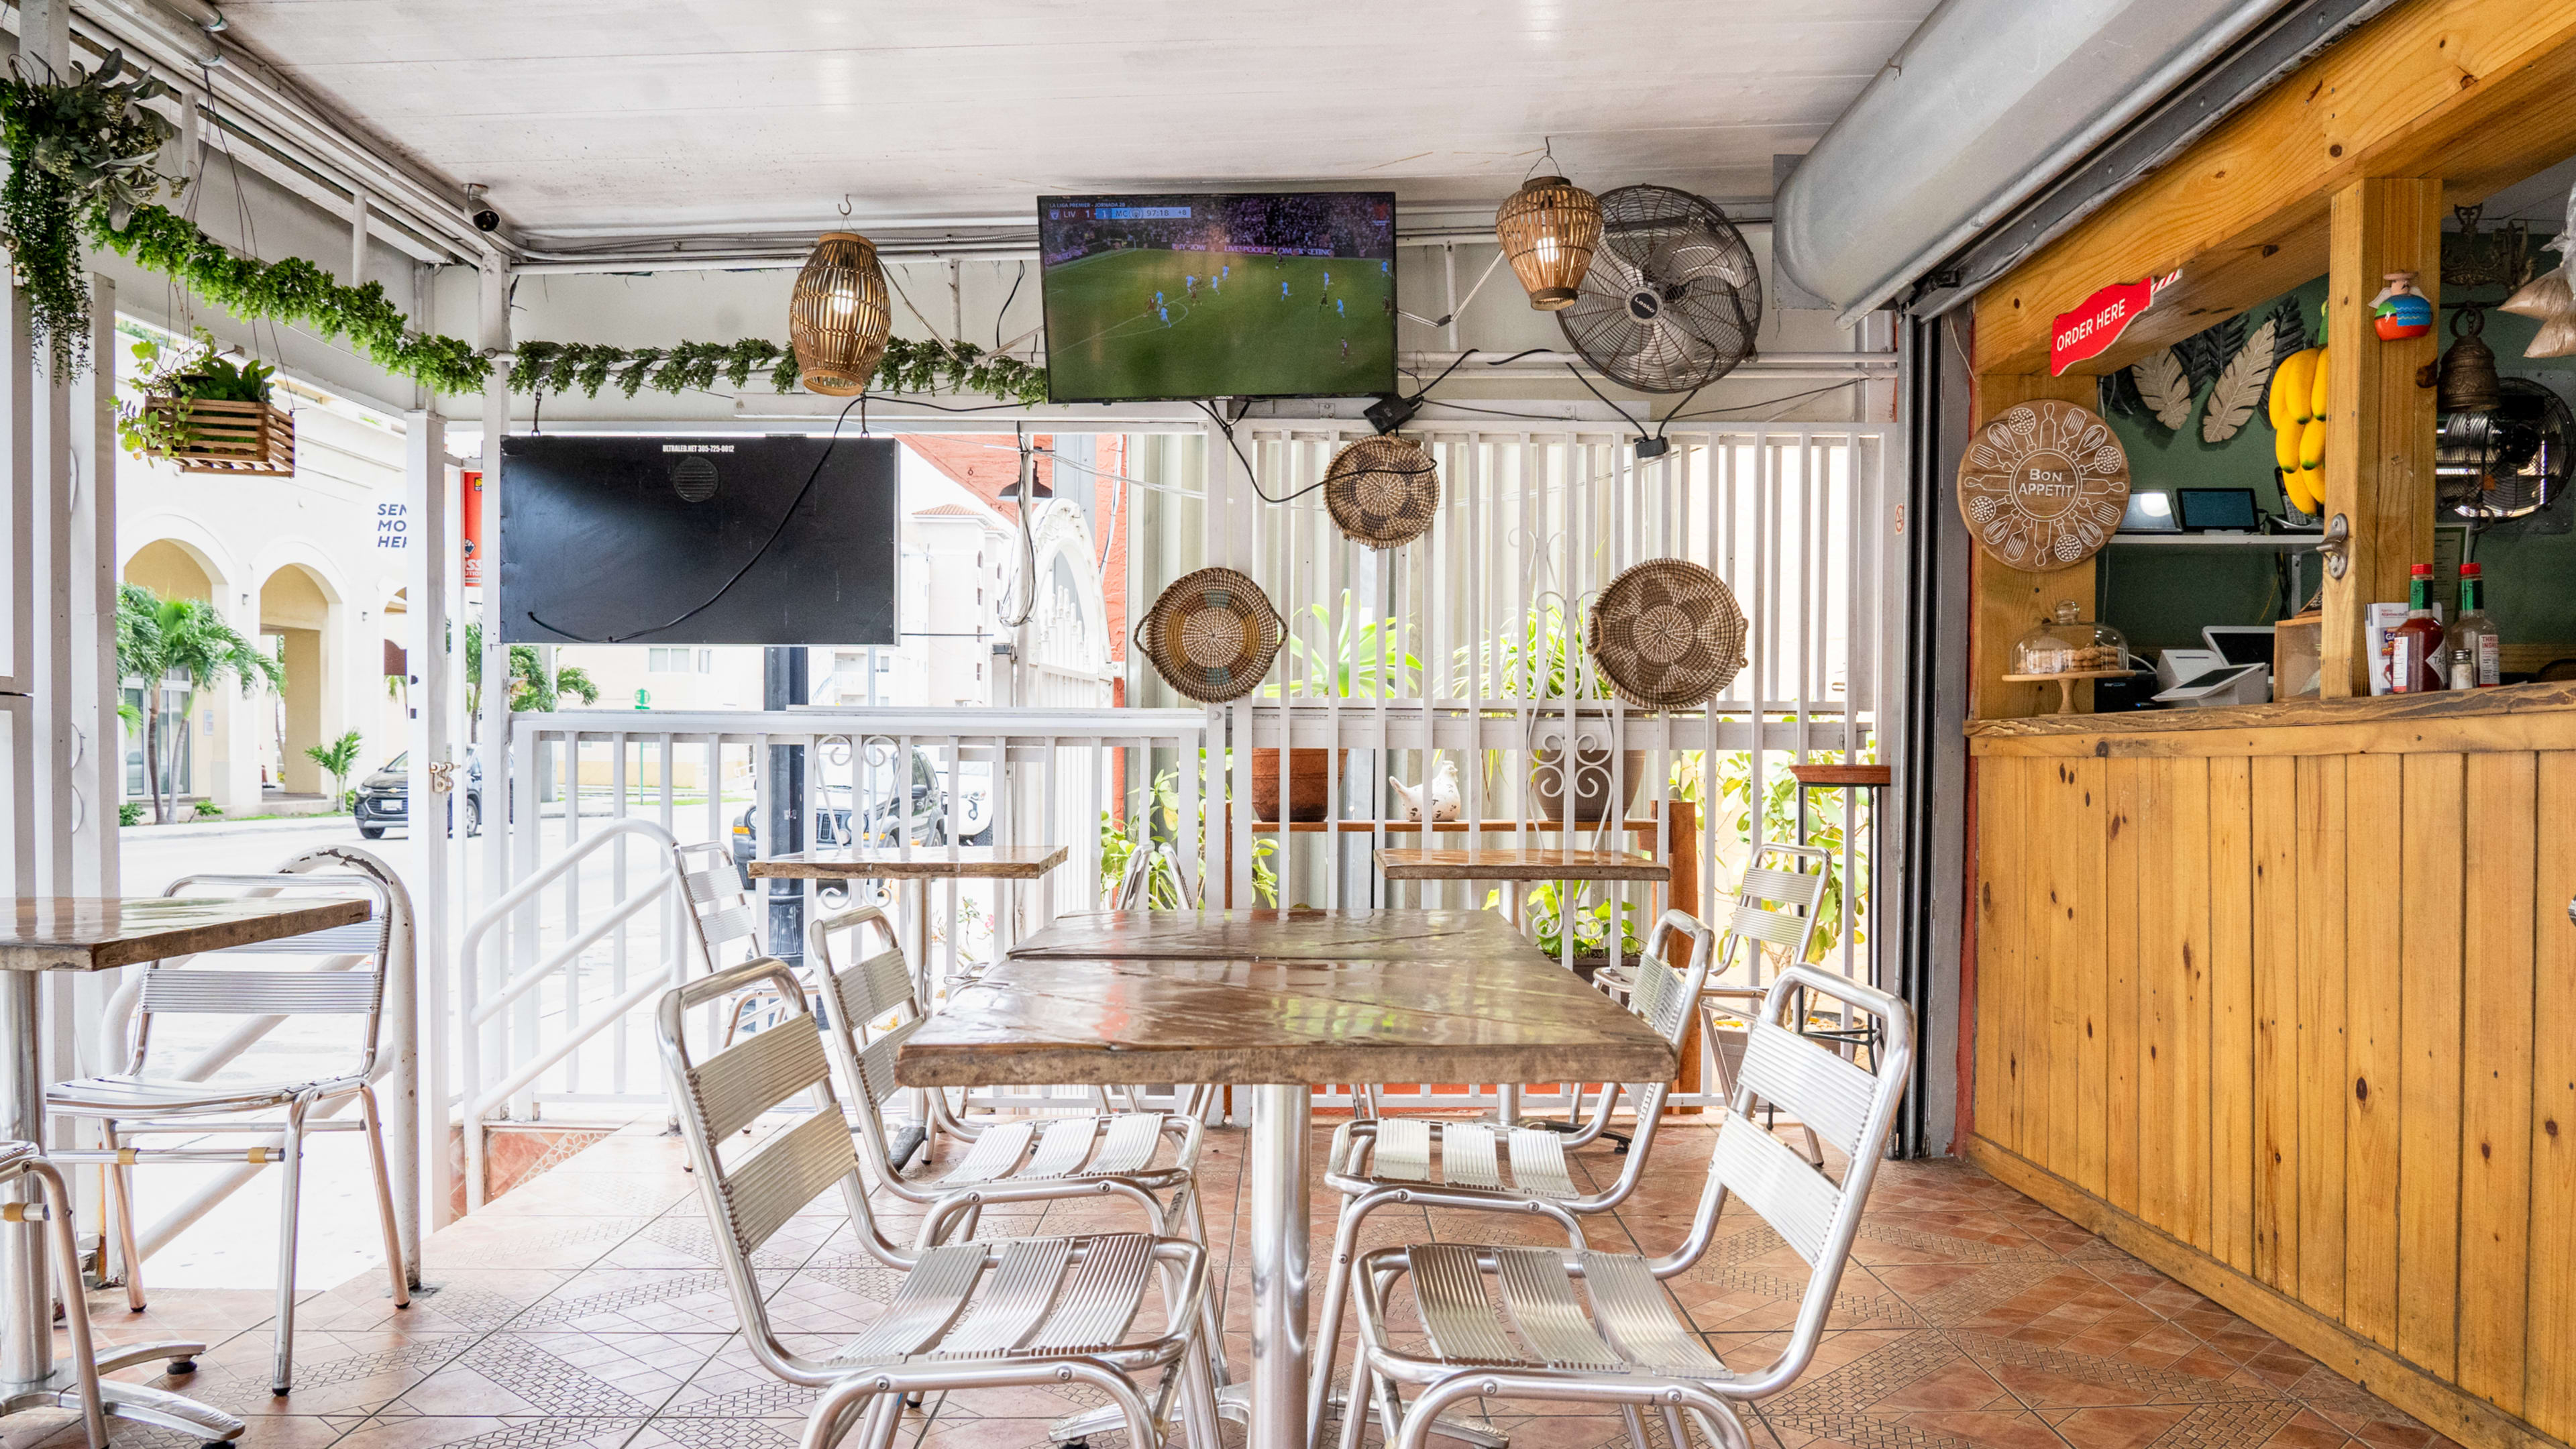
2379, 437
2007, 601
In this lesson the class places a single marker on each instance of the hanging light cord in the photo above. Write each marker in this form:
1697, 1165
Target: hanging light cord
1027, 589
757, 554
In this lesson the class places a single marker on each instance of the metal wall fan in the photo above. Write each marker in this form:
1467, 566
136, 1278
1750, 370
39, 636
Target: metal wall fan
2505, 469
1672, 300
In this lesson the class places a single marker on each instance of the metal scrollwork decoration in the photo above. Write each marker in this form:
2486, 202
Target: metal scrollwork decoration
442, 777
2043, 485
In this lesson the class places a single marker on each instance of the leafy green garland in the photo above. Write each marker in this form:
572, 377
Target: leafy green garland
908, 367
80, 155
81, 164
296, 291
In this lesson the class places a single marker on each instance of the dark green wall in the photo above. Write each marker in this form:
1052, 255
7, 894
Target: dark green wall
2162, 597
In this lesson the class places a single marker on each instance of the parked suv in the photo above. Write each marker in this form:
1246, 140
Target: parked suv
384, 798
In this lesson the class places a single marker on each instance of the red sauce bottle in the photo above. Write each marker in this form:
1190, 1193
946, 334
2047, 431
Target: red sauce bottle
2415, 647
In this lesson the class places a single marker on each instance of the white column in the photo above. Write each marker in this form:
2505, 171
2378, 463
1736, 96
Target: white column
494, 734
427, 585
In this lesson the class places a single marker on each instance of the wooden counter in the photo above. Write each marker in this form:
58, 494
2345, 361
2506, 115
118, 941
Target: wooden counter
2282, 999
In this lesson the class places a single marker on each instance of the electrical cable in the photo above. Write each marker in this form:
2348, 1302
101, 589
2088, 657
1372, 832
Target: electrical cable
1250, 474
1006, 306
1638, 428
757, 555
1027, 583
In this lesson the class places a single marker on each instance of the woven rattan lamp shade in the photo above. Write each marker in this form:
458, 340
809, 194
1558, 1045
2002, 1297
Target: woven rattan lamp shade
1667, 634
1548, 228
838, 320
1382, 491
1211, 635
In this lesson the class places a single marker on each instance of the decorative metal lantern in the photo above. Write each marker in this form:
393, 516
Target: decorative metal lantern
838, 320
1548, 228
2467, 381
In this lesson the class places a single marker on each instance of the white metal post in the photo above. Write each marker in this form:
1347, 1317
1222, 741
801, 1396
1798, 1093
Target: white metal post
493, 733
427, 566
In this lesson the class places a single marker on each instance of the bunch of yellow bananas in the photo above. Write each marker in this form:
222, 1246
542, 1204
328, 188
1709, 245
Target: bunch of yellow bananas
2298, 410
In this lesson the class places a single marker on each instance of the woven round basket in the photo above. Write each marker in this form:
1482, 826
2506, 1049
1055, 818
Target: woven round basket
1211, 635
1667, 634
1382, 491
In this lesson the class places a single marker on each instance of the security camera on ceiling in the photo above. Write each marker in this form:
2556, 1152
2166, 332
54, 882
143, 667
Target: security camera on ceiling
485, 218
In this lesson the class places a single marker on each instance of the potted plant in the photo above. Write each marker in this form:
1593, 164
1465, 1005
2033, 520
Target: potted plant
1163, 871
1360, 667
207, 413
1545, 911
1539, 660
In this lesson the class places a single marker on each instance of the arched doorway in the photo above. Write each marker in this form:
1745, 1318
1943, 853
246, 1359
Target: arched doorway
295, 608
171, 570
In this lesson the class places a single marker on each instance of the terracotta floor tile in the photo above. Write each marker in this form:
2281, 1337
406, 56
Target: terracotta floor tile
2130, 1426
336, 1373
417, 1431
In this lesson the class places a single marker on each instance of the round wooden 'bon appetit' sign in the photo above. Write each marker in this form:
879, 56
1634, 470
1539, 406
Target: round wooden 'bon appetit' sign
2043, 485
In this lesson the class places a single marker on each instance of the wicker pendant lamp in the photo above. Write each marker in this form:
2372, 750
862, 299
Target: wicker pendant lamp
838, 320
1548, 228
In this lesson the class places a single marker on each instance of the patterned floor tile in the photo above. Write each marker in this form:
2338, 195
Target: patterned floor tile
531, 1432
562, 1374
352, 1374
452, 1300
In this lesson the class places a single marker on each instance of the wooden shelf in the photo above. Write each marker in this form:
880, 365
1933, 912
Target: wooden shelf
2277, 542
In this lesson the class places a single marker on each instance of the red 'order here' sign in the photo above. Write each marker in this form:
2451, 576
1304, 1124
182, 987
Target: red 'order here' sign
2093, 327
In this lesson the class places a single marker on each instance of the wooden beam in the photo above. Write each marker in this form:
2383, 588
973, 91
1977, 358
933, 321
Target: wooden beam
2470, 90
2005, 601
2379, 432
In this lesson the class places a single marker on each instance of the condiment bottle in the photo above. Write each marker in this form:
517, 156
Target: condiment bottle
2415, 646
2476, 633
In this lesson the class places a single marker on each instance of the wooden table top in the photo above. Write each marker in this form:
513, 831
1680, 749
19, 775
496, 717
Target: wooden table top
1513, 1017
929, 862
1295, 935
1397, 863
97, 933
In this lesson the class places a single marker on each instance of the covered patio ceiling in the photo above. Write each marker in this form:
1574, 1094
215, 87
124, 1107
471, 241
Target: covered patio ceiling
728, 117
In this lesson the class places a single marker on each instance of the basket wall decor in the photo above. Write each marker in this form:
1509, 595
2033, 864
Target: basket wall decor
1211, 635
1667, 634
244, 439
1383, 492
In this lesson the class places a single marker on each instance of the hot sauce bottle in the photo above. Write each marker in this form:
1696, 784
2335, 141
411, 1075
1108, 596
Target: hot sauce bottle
2415, 651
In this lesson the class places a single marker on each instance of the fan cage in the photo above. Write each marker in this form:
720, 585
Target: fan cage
1548, 230
1673, 299
839, 319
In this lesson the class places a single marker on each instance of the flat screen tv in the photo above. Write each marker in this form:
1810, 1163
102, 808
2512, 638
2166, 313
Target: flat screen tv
712, 540
1282, 294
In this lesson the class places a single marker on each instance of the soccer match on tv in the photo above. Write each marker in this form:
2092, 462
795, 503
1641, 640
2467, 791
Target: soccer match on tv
1219, 295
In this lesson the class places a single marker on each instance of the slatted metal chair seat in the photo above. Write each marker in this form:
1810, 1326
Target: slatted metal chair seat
1584, 1326
966, 1315
139, 1102
1521, 1161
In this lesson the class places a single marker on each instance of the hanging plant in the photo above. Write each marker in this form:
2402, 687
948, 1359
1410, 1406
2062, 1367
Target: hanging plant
80, 156
154, 420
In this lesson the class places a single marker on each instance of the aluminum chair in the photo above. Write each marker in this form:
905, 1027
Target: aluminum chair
970, 1315
139, 1102
25, 1159
1387, 1161
1583, 1326
1022, 1160
1775, 905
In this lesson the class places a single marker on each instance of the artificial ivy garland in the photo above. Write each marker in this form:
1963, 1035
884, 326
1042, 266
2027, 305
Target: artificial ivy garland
80, 164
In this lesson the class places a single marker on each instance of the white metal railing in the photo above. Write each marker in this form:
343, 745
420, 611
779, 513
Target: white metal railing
499, 1059
1532, 525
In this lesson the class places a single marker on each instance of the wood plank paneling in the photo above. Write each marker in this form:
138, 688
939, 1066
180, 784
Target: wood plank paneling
2160, 999
2428, 1176
2374, 799
2189, 905
2275, 807
1999, 826
2122, 932
2311, 1022
2231, 1012
2004, 601
2549, 1396
2498, 931
2322, 1087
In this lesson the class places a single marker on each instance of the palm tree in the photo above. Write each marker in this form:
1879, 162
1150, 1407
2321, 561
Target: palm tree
532, 689
338, 759
158, 637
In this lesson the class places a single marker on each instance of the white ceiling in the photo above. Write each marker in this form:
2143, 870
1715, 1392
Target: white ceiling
601, 117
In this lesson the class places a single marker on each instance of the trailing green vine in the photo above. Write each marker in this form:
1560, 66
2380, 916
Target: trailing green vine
80, 157
294, 291
908, 367
81, 168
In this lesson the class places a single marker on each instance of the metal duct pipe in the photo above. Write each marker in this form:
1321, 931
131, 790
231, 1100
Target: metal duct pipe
1988, 102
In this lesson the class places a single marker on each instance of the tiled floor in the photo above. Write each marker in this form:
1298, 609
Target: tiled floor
583, 1310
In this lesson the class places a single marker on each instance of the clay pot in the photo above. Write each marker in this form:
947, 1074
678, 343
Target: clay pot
1309, 784
1591, 770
